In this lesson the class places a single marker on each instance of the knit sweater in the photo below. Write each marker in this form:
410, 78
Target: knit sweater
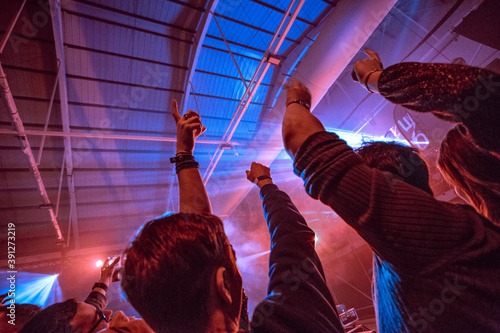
436, 264
97, 299
298, 297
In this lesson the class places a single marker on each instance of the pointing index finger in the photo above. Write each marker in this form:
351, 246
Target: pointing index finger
175, 111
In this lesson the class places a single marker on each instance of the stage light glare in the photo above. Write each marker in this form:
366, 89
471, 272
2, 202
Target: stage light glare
36, 289
99, 263
316, 239
356, 140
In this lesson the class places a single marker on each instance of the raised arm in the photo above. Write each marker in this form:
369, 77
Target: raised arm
456, 93
298, 297
193, 197
97, 296
298, 122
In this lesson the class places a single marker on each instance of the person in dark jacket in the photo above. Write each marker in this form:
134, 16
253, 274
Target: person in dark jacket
436, 264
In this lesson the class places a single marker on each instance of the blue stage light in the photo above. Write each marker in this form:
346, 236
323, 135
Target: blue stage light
33, 288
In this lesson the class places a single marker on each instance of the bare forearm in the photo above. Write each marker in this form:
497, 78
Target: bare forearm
372, 82
193, 197
298, 125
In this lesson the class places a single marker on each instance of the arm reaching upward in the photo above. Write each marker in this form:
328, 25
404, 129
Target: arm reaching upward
297, 293
298, 122
456, 93
193, 197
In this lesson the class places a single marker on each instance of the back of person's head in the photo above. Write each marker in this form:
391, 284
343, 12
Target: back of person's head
23, 314
53, 319
401, 161
474, 171
170, 266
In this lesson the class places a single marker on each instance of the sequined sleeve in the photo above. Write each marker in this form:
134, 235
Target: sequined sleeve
457, 93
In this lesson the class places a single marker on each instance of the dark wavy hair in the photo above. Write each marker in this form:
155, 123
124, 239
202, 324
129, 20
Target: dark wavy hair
401, 161
169, 267
474, 171
53, 319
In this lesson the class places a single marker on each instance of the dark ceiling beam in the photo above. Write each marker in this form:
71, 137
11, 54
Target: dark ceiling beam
126, 26
237, 44
250, 26
279, 10
201, 9
28, 38
227, 76
118, 11
226, 98
226, 51
30, 70
124, 56
120, 83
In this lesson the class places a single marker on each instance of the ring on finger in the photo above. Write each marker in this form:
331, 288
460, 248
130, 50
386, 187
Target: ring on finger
186, 116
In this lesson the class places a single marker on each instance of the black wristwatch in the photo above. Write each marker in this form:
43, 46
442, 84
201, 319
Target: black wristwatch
100, 285
263, 177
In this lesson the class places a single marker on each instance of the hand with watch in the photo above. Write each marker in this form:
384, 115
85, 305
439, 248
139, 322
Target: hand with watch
367, 71
107, 271
259, 174
297, 93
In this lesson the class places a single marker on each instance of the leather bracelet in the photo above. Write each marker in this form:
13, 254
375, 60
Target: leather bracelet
368, 77
304, 104
181, 158
100, 285
186, 165
263, 177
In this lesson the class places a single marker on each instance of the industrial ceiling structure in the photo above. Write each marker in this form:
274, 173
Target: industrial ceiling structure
86, 130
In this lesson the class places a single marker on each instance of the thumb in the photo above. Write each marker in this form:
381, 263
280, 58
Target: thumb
372, 55
354, 76
175, 111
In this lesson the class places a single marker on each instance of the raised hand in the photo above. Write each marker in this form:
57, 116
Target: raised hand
363, 67
107, 270
189, 127
258, 170
296, 91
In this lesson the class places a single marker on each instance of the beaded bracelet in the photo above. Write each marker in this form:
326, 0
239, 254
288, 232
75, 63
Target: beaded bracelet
191, 164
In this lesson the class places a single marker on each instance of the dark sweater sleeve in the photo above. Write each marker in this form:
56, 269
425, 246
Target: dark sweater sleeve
406, 226
298, 297
456, 93
97, 299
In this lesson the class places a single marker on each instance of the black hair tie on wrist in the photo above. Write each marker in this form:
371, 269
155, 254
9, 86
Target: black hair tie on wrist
263, 177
